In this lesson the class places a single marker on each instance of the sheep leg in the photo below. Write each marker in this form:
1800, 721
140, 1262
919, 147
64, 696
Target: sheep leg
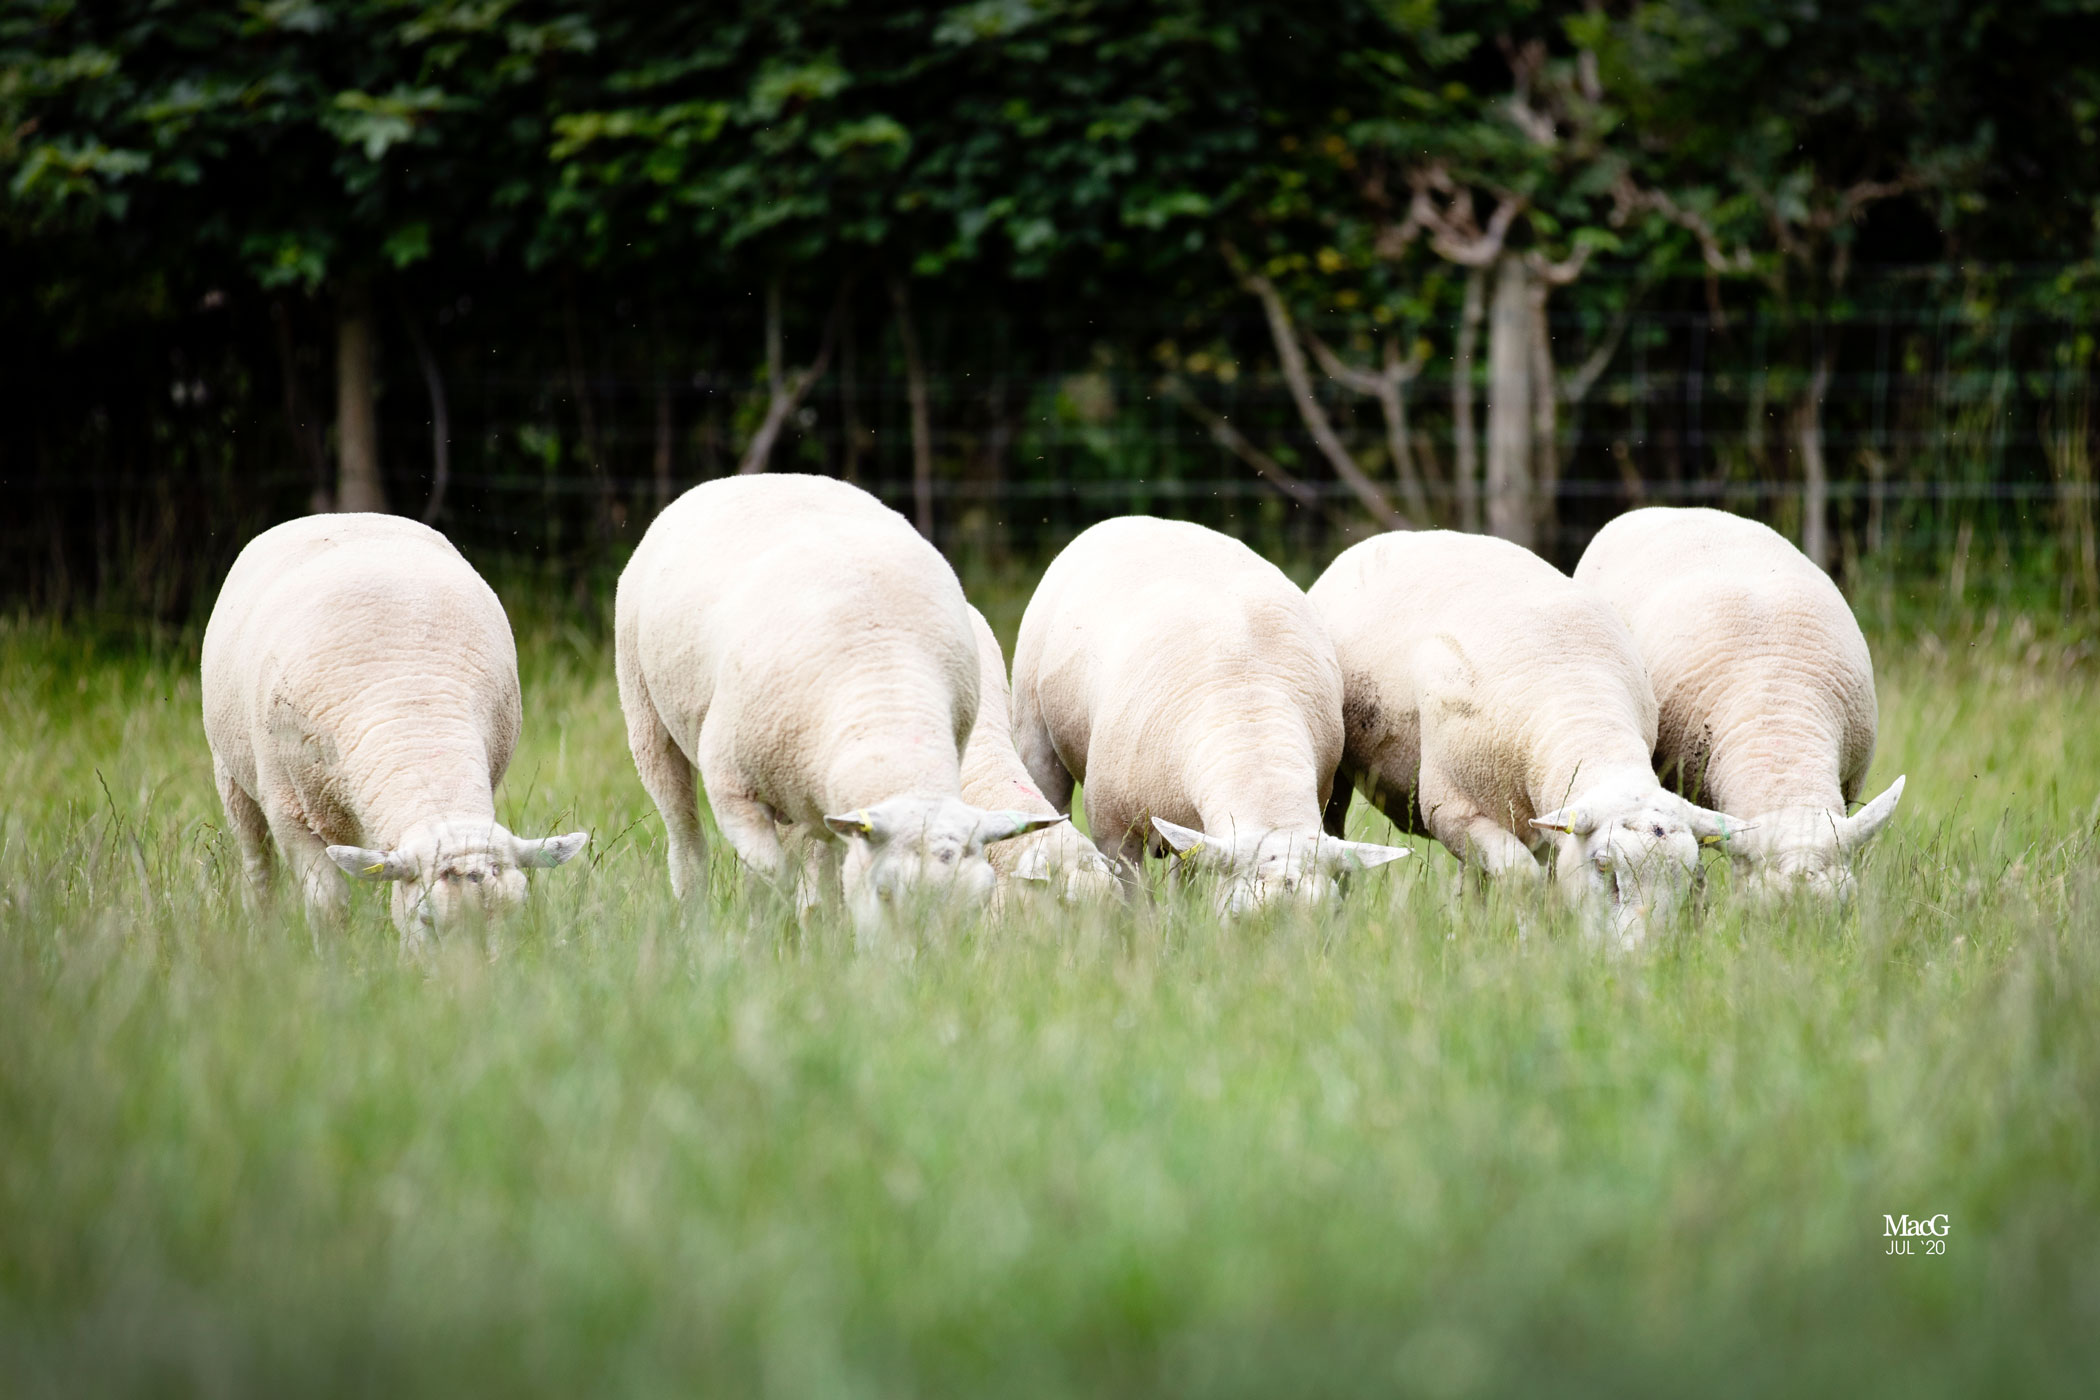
747, 823
1121, 836
321, 885
667, 776
668, 779
1038, 754
1476, 838
251, 829
816, 862
1500, 854
1334, 818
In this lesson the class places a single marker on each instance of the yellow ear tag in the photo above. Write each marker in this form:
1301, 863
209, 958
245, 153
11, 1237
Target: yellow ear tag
1190, 853
867, 828
376, 868
1714, 840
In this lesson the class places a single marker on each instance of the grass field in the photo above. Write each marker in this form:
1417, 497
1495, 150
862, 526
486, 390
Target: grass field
620, 1148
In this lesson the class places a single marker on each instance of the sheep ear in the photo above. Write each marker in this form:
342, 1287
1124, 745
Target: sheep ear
367, 864
1575, 821
1003, 826
1715, 828
859, 823
1359, 855
1183, 841
551, 851
1862, 826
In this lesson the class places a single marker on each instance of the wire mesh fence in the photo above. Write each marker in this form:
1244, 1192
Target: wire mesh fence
1953, 427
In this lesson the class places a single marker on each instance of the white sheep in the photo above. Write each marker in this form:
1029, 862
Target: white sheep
994, 777
1191, 687
361, 702
1491, 700
1764, 681
796, 641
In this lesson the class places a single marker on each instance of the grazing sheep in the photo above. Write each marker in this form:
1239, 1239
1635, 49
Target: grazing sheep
361, 703
1190, 686
1491, 700
1765, 686
993, 776
798, 643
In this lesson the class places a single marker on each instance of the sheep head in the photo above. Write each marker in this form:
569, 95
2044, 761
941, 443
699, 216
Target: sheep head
1258, 869
1066, 863
1632, 850
912, 846
449, 871
1810, 850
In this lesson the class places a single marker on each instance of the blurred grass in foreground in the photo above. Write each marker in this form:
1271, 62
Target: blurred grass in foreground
621, 1148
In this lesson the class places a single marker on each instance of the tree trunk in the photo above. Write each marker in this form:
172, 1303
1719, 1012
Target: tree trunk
921, 411
1545, 418
588, 446
358, 485
1465, 446
440, 423
849, 398
989, 489
1509, 495
1815, 479
662, 459
298, 420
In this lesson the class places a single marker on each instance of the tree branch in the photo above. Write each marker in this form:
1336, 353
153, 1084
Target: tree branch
1575, 386
1296, 375
1389, 387
785, 392
1234, 441
1629, 198
1453, 232
1558, 274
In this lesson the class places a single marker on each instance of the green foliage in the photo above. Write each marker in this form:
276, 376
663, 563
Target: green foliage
301, 142
294, 142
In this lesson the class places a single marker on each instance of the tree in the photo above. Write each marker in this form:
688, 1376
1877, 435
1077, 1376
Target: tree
1838, 119
391, 136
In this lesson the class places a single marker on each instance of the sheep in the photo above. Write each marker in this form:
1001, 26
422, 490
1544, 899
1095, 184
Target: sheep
1494, 703
361, 703
993, 776
1765, 685
798, 644
1191, 687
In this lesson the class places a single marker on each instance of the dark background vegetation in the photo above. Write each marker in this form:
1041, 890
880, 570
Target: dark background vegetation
526, 269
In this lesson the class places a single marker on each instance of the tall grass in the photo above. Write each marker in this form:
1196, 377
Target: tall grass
1416, 1145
